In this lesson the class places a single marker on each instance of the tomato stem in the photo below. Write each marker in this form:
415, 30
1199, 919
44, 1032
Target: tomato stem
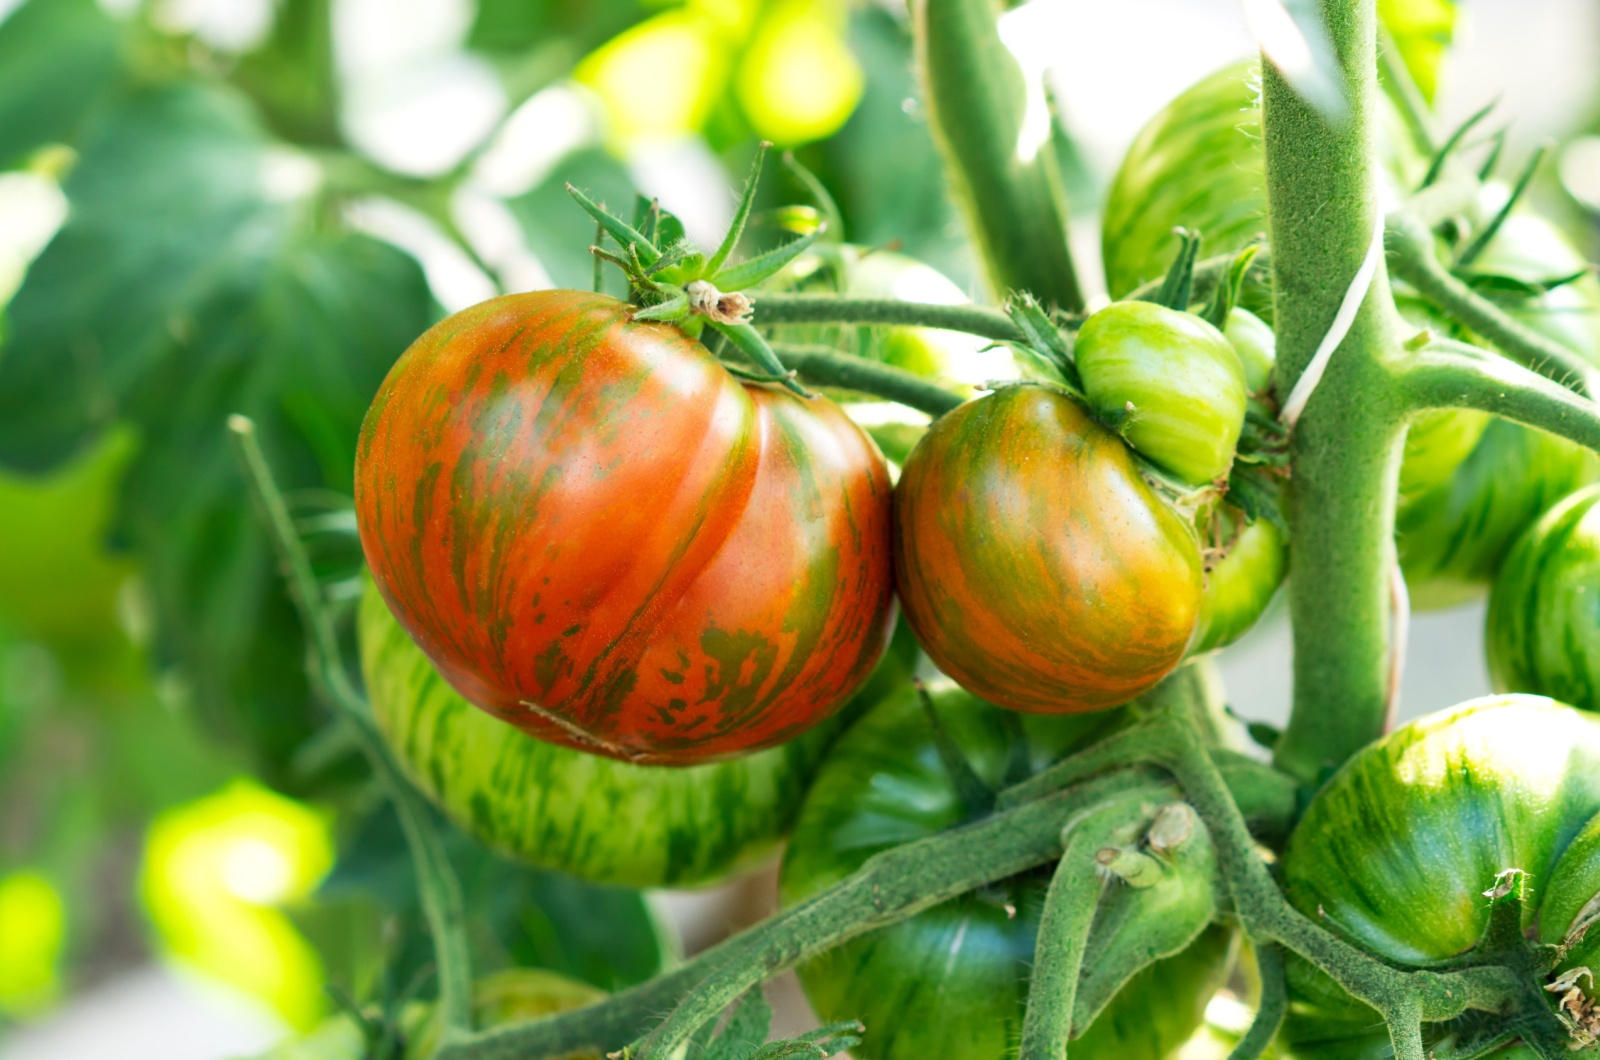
436, 880
1069, 909
1271, 1009
823, 366
777, 308
1449, 374
1345, 450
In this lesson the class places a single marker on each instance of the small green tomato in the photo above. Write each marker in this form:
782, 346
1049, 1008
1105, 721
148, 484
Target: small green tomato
1170, 382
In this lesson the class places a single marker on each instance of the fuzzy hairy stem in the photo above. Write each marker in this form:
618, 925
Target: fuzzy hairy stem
825, 367
1273, 1007
1322, 198
1411, 255
776, 308
1069, 909
1449, 375
994, 132
436, 879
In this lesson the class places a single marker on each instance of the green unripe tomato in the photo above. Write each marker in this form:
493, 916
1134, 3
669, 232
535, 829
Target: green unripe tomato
1240, 583
1171, 383
1255, 345
1544, 609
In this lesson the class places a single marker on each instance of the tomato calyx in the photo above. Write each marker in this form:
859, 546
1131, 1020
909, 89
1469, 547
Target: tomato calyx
671, 282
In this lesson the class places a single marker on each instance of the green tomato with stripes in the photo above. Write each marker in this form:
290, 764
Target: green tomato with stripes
597, 818
951, 983
1395, 852
1169, 382
1242, 574
1544, 610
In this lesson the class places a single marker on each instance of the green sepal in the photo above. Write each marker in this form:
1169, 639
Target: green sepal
1491, 283
1046, 342
1226, 294
673, 309
1179, 284
625, 234
1442, 156
763, 266
1256, 489
741, 215
1481, 240
1492, 161
748, 341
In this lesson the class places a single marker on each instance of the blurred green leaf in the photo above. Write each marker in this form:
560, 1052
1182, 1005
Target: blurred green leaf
291, 76
1423, 31
57, 59
519, 916
195, 279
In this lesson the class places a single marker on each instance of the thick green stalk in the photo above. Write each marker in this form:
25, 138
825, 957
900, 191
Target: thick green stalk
1273, 1007
1454, 375
995, 137
1323, 208
436, 879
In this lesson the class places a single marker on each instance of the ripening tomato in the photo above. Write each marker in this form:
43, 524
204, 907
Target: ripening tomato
1395, 852
597, 534
951, 982
1169, 381
1036, 566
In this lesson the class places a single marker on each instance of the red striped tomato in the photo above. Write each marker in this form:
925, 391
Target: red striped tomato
597, 534
1036, 567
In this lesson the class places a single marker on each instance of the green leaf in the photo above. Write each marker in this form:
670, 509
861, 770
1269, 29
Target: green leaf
191, 282
58, 58
1423, 30
291, 75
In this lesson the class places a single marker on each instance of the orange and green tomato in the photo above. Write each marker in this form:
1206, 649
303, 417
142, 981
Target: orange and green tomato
599, 535
1034, 563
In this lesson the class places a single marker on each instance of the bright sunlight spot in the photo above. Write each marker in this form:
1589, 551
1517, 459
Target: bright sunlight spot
799, 80
33, 929
216, 872
658, 79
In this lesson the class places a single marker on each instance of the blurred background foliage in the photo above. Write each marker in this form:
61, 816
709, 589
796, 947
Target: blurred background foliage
216, 206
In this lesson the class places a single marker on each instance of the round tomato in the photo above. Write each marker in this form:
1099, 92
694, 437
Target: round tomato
597, 534
1395, 852
559, 808
1543, 626
1036, 566
1169, 381
951, 982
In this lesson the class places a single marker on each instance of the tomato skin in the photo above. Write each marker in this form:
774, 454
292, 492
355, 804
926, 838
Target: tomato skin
1397, 848
1037, 568
1543, 636
599, 536
558, 808
1256, 345
951, 983
1173, 382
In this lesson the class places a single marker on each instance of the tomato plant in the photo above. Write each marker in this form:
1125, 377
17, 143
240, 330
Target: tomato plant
733, 613
1112, 587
